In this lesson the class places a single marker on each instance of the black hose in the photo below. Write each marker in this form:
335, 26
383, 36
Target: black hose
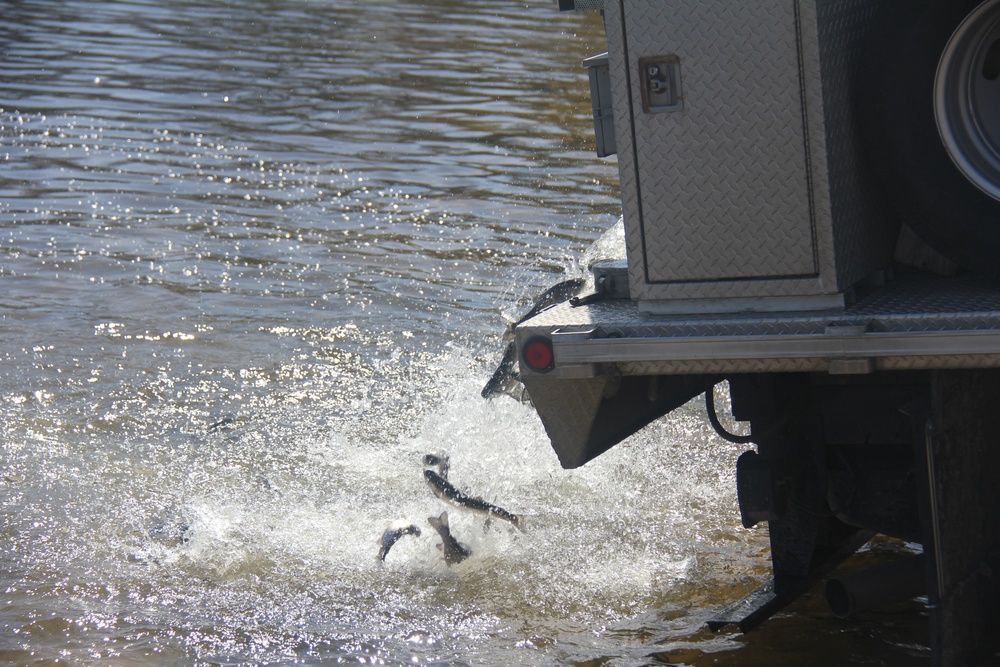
713, 418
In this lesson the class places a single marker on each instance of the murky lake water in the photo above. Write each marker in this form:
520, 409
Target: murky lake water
254, 262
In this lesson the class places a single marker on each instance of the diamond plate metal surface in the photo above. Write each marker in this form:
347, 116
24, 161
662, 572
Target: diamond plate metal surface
723, 366
954, 314
754, 188
730, 366
912, 303
567, 410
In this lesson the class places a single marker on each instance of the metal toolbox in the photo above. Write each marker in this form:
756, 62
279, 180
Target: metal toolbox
600, 98
742, 184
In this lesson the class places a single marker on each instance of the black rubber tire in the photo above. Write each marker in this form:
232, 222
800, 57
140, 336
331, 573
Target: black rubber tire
899, 135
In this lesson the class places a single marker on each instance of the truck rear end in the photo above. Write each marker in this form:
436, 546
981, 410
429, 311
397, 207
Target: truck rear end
811, 209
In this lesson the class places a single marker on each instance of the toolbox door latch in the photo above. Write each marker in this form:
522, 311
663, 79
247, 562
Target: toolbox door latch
661, 83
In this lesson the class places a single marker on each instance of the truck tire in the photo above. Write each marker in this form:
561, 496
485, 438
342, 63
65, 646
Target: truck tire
929, 118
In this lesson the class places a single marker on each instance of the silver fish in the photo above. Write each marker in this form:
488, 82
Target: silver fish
505, 379
440, 460
454, 552
444, 490
224, 421
392, 534
554, 295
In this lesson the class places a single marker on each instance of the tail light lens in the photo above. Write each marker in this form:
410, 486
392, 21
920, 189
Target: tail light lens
538, 355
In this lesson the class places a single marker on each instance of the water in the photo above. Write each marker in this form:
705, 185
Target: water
255, 261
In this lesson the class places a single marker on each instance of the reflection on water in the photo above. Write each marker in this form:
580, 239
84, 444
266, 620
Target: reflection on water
254, 261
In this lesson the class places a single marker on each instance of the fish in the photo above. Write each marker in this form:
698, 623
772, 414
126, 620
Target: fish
391, 535
224, 421
505, 379
440, 460
444, 490
454, 552
556, 294
265, 483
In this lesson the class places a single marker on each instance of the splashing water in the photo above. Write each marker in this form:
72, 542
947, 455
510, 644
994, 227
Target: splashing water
254, 263
256, 539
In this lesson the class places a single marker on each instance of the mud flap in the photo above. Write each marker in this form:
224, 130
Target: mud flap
961, 516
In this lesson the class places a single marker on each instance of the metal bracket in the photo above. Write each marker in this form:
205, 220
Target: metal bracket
600, 291
573, 371
847, 366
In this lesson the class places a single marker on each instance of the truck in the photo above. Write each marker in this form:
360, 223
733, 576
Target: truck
811, 217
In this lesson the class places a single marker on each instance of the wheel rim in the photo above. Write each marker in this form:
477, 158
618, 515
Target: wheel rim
967, 97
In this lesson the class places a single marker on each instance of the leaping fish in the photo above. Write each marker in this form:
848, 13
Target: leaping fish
444, 490
454, 552
439, 459
392, 534
505, 379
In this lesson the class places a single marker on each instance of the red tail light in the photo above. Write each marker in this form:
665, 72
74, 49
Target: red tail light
538, 355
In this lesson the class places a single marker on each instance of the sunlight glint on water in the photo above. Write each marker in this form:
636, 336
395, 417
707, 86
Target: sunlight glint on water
255, 261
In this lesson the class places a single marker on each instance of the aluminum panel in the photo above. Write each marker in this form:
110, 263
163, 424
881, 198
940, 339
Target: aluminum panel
734, 158
754, 188
862, 237
842, 346
730, 366
915, 321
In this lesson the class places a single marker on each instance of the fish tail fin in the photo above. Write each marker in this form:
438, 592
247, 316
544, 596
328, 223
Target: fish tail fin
438, 521
519, 521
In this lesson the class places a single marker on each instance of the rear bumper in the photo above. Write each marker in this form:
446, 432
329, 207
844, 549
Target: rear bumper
617, 368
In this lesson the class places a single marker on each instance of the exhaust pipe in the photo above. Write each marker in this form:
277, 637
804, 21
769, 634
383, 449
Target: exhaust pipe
858, 592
